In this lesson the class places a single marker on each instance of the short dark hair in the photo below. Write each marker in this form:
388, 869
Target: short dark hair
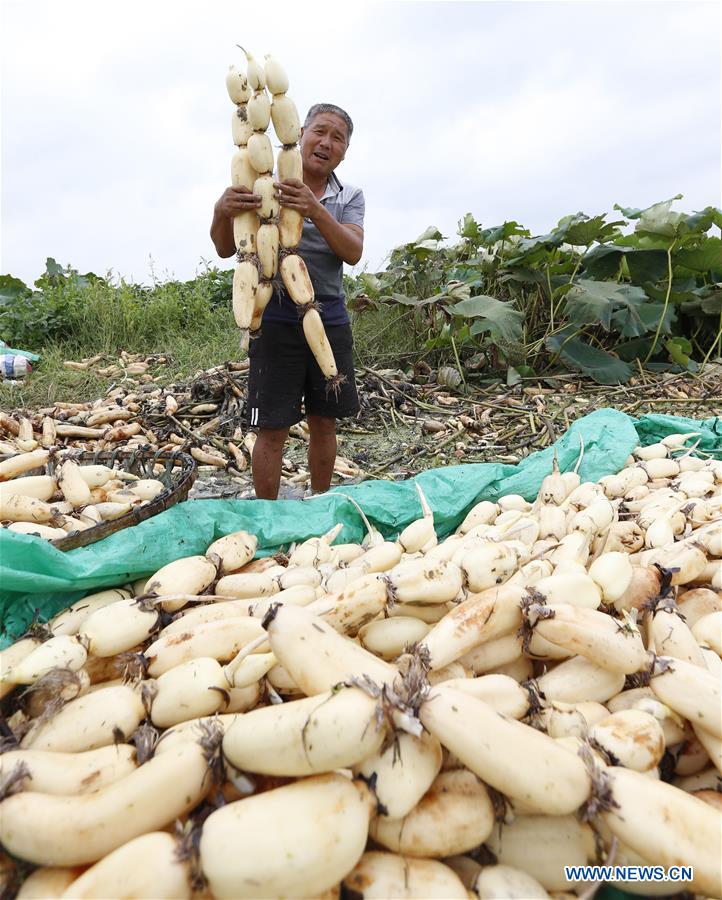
330, 108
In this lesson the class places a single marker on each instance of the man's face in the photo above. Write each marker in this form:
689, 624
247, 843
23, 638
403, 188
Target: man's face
323, 144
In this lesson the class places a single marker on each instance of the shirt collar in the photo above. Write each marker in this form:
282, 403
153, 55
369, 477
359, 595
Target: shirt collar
333, 187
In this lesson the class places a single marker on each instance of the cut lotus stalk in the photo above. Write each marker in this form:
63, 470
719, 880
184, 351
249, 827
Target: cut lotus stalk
333, 730
670, 636
315, 550
118, 627
479, 618
420, 532
487, 657
633, 738
382, 875
34, 528
245, 282
190, 575
482, 513
402, 773
267, 249
290, 227
578, 679
354, 606
553, 489
23, 462
691, 691
63, 651
242, 172
260, 153
269, 208
500, 692
49, 435
380, 558
422, 582
188, 732
12, 656
149, 865
487, 563
576, 589
296, 279
316, 656
573, 547
271, 865
289, 163
712, 746
644, 587
456, 798
243, 585
188, 691
575, 719
687, 559
613, 573
285, 119
593, 634
245, 227
237, 85
97, 719
262, 297
298, 576
388, 638
505, 881
254, 71
276, 77
542, 846
258, 111
495, 749
234, 550
240, 126
48, 881
250, 669
666, 825
34, 826
317, 340
19, 508
707, 631
220, 640
41, 487
70, 773
552, 522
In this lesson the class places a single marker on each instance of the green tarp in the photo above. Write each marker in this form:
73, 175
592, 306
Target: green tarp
37, 579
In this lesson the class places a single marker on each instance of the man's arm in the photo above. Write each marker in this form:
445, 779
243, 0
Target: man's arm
233, 200
345, 239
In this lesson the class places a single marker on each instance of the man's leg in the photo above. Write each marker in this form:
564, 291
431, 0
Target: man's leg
321, 451
267, 460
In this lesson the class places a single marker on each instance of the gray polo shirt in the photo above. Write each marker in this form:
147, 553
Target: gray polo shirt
346, 204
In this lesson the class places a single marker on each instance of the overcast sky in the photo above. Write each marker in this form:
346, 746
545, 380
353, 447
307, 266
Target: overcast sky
116, 121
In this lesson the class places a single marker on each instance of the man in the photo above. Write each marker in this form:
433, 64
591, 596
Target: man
283, 371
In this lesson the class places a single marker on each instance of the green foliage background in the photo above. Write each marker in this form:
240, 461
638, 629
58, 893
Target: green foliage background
594, 296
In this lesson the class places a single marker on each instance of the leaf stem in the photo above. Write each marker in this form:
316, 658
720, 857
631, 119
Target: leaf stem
717, 340
666, 303
458, 361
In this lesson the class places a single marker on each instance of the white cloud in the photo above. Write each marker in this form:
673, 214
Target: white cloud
115, 120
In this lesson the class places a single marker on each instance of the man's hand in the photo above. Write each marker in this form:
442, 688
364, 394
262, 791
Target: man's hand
235, 200
294, 194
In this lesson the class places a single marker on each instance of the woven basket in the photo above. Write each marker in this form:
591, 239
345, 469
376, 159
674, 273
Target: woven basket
176, 470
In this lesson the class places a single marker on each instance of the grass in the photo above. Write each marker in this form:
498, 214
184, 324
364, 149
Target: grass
191, 323
382, 336
51, 381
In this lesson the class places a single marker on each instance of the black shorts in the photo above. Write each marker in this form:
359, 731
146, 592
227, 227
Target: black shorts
283, 374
